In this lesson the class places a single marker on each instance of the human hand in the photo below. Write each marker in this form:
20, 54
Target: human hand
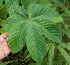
4, 47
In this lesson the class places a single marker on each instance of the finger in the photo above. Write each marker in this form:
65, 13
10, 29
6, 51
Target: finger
7, 50
1, 39
2, 54
5, 35
7, 39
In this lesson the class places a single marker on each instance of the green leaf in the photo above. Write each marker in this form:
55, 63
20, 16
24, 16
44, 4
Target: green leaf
44, 62
33, 64
11, 5
35, 42
27, 57
5, 63
58, 3
51, 54
64, 53
51, 6
26, 3
1, 2
45, 17
43, 2
66, 46
42, 13
31, 26
3, 12
47, 47
16, 40
66, 30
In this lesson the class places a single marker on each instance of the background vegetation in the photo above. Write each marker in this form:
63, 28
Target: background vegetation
57, 40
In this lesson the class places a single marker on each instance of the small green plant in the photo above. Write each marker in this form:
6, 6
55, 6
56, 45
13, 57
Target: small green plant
40, 27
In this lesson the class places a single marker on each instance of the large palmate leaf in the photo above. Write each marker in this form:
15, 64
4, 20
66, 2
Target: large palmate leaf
32, 26
11, 5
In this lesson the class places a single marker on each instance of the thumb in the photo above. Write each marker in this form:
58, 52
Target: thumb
5, 35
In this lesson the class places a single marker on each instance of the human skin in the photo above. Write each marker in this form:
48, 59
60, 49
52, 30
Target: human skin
4, 47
